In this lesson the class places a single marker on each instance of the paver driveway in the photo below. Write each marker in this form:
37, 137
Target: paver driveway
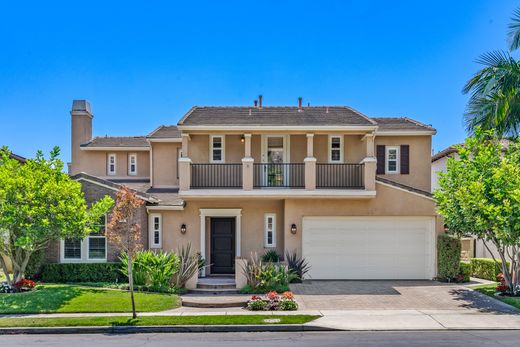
393, 295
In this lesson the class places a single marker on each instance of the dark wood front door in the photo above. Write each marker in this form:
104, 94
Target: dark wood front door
222, 245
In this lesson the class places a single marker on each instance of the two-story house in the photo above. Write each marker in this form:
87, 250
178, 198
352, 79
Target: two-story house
348, 192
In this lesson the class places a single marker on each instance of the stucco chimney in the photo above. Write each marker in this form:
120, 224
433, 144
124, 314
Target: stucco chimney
81, 131
300, 102
260, 101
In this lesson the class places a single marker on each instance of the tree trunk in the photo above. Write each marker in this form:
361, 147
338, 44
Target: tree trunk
4, 269
131, 285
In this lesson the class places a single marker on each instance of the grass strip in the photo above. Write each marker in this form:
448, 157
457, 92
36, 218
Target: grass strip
490, 290
155, 320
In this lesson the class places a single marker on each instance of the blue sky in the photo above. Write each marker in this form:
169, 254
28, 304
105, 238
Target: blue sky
143, 64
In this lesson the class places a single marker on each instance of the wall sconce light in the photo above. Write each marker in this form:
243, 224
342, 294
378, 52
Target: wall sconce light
183, 229
293, 229
242, 138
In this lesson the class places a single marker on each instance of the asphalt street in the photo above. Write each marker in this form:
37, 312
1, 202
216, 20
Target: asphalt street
309, 339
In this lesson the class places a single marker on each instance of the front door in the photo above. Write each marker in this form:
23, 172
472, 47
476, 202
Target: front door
222, 245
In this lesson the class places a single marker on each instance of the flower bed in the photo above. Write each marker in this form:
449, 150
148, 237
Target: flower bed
273, 301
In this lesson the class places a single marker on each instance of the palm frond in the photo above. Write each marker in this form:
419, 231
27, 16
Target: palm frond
514, 30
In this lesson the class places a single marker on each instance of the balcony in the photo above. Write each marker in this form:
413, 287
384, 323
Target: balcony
279, 175
340, 176
216, 176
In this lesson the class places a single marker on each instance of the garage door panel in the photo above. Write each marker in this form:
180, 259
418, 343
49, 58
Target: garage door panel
369, 247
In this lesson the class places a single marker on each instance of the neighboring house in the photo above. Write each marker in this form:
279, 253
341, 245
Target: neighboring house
348, 192
470, 246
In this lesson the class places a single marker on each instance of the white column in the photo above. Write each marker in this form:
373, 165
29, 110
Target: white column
203, 240
185, 147
238, 232
247, 145
310, 145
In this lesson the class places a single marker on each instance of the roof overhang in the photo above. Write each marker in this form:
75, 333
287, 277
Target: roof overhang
165, 207
165, 139
110, 148
406, 133
278, 127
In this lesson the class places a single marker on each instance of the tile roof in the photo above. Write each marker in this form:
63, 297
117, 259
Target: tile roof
117, 141
400, 123
165, 131
404, 187
275, 116
17, 157
444, 153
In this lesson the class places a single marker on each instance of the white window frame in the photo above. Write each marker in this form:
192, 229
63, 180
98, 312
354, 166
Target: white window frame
267, 230
152, 230
340, 137
85, 249
397, 159
223, 149
130, 156
109, 172
70, 260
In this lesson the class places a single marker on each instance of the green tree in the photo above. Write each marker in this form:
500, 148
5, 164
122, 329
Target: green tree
494, 90
39, 203
479, 195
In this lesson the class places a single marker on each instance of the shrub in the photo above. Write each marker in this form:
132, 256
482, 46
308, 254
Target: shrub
465, 272
189, 265
139, 273
502, 287
257, 304
263, 278
485, 268
287, 305
82, 272
273, 301
153, 270
5, 288
297, 265
252, 270
34, 267
448, 257
271, 256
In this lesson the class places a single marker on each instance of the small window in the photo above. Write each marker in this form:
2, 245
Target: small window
132, 164
71, 249
155, 230
217, 149
392, 159
270, 230
111, 164
335, 149
97, 247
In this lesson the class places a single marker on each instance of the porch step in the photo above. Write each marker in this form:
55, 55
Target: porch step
217, 284
214, 291
214, 301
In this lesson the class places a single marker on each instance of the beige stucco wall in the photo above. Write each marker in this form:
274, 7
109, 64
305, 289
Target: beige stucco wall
95, 163
388, 202
252, 224
420, 159
164, 170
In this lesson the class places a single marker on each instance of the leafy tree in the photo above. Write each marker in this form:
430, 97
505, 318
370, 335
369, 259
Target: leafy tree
39, 203
494, 90
125, 231
479, 195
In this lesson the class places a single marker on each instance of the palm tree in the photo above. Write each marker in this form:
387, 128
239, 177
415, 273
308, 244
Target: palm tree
495, 100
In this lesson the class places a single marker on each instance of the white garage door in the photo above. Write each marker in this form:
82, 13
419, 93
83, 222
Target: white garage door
369, 247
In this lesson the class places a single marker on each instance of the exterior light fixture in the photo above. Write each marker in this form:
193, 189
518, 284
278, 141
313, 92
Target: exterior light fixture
183, 229
242, 138
293, 228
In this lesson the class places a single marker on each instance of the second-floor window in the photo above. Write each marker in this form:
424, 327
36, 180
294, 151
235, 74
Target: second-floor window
392, 159
335, 149
111, 164
132, 164
217, 149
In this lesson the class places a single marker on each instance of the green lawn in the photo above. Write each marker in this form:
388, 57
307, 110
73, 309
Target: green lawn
157, 320
69, 298
490, 289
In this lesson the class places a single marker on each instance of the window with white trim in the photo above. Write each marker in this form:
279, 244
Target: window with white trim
270, 230
111, 164
72, 249
91, 248
392, 159
132, 164
335, 149
217, 149
155, 230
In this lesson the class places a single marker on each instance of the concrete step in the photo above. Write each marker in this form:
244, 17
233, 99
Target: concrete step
214, 301
216, 286
213, 291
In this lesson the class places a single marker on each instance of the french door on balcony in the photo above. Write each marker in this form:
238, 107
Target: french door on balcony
275, 152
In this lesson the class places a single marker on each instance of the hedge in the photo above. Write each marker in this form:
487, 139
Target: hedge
465, 271
485, 268
82, 272
448, 257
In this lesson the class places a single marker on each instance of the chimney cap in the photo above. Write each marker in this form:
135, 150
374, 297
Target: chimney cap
81, 106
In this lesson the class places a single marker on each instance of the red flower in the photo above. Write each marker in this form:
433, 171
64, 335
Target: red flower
256, 297
288, 295
272, 295
25, 283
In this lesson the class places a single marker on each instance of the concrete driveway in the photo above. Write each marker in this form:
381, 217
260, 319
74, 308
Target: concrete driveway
394, 295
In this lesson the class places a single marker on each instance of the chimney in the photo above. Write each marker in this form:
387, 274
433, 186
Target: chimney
300, 103
256, 103
260, 101
81, 131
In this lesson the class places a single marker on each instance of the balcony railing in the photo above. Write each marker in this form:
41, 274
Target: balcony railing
216, 176
279, 175
346, 176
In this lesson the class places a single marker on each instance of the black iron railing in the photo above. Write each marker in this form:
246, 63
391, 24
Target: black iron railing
349, 176
279, 175
216, 176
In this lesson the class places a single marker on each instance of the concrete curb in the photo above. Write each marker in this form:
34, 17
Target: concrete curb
165, 329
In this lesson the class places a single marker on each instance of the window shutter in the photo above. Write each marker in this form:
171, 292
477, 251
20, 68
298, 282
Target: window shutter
405, 159
380, 152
